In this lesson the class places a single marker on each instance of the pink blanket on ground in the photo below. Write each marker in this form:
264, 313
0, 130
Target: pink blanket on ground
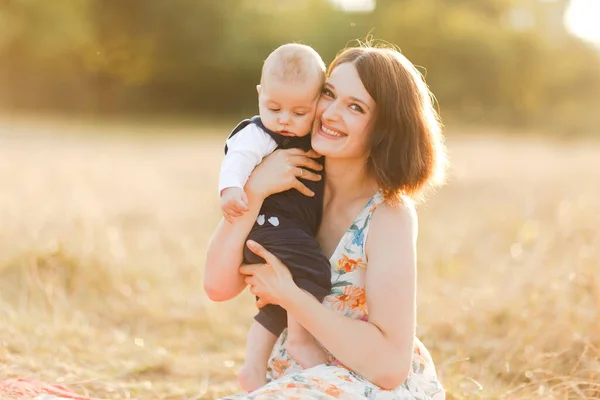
25, 388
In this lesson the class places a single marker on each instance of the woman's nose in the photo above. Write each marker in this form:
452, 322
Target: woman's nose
331, 113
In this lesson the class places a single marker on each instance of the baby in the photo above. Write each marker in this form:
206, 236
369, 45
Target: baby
290, 86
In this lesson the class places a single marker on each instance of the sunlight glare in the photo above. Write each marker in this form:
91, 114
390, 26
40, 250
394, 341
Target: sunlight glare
582, 18
355, 5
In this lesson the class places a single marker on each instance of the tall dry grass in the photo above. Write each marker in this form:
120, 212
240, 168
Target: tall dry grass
103, 231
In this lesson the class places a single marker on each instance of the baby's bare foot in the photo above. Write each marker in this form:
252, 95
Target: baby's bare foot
251, 378
306, 353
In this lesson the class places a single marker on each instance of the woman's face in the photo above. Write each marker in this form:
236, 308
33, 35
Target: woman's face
344, 116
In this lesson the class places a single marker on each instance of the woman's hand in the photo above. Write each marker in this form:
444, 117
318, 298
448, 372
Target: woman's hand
279, 171
272, 282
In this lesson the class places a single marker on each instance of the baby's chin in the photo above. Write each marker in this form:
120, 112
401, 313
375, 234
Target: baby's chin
288, 133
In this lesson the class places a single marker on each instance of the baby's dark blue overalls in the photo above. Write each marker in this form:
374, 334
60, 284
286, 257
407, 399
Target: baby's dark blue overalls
287, 226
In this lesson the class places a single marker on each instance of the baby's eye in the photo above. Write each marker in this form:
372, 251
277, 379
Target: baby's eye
300, 114
356, 107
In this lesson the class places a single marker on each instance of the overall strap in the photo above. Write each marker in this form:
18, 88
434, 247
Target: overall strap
283, 142
279, 139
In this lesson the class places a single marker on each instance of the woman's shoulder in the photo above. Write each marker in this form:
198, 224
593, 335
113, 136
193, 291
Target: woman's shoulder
401, 209
394, 217
394, 230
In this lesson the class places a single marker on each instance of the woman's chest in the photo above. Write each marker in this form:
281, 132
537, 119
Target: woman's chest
335, 224
331, 232
348, 269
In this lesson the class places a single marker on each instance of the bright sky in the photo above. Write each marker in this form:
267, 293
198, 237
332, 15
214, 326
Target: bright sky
583, 19
356, 5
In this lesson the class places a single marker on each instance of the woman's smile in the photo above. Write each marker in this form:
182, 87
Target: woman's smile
329, 132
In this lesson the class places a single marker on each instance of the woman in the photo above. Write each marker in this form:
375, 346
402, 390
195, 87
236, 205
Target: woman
377, 128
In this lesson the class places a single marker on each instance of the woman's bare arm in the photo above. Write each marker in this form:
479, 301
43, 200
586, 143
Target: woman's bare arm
380, 349
276, 173
222, 280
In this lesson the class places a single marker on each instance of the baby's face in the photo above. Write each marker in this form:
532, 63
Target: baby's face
288, 108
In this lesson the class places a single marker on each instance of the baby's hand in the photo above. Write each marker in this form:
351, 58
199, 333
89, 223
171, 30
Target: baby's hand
234, 203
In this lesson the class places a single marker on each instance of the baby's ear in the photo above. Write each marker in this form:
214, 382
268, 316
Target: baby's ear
258, 88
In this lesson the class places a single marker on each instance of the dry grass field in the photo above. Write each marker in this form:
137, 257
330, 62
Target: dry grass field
104, 228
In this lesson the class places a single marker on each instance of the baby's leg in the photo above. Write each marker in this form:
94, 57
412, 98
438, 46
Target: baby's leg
311, 270
301, 346
259, 345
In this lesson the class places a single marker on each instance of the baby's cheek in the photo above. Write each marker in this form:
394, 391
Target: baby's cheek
268, 122
307, 123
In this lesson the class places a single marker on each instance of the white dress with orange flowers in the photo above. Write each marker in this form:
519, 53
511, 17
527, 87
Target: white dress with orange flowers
286, 378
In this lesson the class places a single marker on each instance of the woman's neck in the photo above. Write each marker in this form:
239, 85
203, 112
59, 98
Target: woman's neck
348, 178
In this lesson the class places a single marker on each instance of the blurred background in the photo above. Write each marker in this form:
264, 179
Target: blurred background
113, 116
520, 63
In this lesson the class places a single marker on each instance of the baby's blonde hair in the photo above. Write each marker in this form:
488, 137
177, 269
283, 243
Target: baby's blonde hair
293, 62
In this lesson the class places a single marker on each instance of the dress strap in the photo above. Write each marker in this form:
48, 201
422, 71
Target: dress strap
367, 212
353, 242
366, 216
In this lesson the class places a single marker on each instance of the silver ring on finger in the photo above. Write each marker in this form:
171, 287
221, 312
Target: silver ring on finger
301, 172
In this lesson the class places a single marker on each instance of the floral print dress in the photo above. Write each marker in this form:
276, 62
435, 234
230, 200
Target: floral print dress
286, 378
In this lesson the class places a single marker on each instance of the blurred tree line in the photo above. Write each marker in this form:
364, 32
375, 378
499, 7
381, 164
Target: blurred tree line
507, 62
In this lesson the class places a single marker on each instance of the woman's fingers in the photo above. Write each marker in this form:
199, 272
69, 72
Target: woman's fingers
297, 151
259, 250
280, 171
251, 282
306, 162
294, 151
248, 269
313, 154
268, 281
303, 173
304, 158
302, 188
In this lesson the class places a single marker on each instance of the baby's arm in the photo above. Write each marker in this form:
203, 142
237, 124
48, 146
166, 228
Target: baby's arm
246, 149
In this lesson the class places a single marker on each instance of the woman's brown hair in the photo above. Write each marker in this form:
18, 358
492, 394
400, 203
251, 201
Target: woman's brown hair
407, 152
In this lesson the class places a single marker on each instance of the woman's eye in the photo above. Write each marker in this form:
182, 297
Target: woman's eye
274, 109
356, 107
328, 92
